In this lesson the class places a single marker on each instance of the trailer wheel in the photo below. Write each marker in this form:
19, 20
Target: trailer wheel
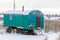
8, 30
17, 30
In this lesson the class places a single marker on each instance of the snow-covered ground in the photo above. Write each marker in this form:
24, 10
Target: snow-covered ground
52, 36
1, 22
14, 36
20, 37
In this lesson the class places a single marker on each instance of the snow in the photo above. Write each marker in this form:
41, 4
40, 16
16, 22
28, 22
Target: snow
14, 36
1, 22
54, 18
26, 12
1, 16
46, 18
52, 36
51, 18
20, 37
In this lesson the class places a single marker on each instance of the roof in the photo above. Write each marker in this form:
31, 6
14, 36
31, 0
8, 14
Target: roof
26, 12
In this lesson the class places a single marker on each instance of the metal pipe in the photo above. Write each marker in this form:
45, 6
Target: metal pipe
22, 8
14, 5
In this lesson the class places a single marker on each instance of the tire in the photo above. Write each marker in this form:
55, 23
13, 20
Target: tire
8, 30
17, 30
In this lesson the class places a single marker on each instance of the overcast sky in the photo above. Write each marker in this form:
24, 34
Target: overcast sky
29, 4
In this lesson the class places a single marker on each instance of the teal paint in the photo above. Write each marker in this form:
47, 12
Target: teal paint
20, 20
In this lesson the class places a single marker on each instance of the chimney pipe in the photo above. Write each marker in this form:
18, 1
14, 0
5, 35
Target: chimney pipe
22, 8
14, 5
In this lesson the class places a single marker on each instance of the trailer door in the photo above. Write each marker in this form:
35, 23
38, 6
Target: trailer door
37, 19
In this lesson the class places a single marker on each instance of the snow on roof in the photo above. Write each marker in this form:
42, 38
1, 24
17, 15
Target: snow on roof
26, 12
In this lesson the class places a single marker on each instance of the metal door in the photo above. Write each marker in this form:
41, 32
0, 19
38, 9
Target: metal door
37, 19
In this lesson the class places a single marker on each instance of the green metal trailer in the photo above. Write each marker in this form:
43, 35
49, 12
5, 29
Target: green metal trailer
28, 19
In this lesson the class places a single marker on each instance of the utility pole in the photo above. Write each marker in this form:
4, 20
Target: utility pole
14, 5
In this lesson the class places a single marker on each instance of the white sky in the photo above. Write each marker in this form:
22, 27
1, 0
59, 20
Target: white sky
45, 5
